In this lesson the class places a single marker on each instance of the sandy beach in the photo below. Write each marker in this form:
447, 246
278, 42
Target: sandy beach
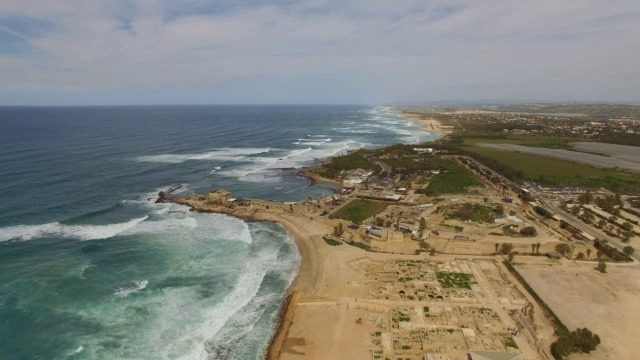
428, 123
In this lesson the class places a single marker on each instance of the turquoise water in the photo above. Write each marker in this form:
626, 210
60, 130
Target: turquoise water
91, 268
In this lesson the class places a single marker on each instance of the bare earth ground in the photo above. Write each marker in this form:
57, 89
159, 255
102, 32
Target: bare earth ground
608, 304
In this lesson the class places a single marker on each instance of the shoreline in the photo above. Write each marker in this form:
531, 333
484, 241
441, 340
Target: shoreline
295, 225
430, 124
317, 179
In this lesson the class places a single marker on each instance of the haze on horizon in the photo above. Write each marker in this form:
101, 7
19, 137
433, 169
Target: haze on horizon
77, 52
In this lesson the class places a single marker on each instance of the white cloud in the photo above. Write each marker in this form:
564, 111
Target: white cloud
323, 51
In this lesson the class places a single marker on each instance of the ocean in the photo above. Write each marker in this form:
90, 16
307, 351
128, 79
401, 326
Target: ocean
92, 268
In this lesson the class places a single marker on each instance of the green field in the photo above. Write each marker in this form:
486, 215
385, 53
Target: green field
454, 181
357, 211
524, 140
473, 212
352, 161
553, 172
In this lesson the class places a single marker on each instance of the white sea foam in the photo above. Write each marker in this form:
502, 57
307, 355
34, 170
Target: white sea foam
162, 226
258, 171
98, 232
138, 285
312, 142
55, 229
245, 289
222, 154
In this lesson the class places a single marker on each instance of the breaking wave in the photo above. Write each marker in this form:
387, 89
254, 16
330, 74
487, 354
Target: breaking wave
56, 229
223, 154
138, 285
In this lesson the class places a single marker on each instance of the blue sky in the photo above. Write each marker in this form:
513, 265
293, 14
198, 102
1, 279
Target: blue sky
69, 52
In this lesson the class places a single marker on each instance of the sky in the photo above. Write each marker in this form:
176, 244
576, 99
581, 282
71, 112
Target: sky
101, 52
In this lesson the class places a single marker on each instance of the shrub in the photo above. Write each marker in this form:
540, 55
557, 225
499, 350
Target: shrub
528, 231
506, 248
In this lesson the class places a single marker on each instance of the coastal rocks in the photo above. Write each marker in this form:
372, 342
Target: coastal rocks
160, 198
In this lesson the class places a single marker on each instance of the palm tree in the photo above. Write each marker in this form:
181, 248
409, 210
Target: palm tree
533, 248
588, 253
497, 246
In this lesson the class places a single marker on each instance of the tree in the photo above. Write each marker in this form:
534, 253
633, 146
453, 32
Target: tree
585, 198
580, 256
537, 247
578, 341
432, 251
511, 256
598, 254
499, 209
528, 231
575, 210
379, 221
340, 230
563, 249
602, 223
291, 208
627, 226
423, 224
533, 248
497, 246
587, 216
602, 267
628, 250
506, 248
588, 253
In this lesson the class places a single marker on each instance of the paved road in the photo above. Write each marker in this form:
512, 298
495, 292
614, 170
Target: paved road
584, 227
597, 233
386, 168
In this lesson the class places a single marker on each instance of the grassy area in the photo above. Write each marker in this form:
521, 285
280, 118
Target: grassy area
525, 140
351, 161
454, 181
509, 342
358, 210
474, 212
455, 280
411, 164
553, 172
